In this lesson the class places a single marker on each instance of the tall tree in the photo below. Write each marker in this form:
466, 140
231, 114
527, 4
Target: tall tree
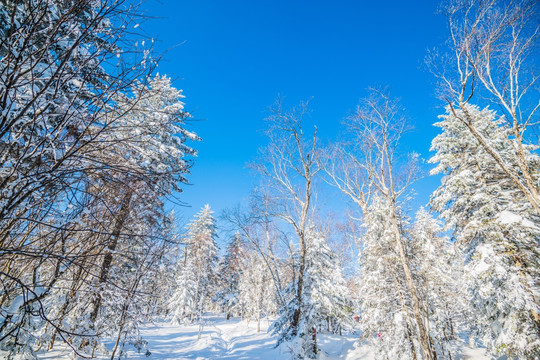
290, 165
90, 145
386, 317
491, 56
230, 271
370, 167
494, 228
441, 280
490, 60
201, 252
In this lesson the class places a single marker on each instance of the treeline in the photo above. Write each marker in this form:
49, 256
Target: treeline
93, 144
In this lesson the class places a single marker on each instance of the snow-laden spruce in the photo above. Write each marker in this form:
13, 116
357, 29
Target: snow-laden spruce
182, 302
197, 272
495, 227
326, 302
230, 272
440, 276
385, 318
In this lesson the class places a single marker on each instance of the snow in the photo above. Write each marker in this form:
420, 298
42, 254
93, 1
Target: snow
508, 218
343, 347
476, 354
237, 339
220, 339
15, 305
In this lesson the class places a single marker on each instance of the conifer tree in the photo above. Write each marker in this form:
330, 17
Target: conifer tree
495, 228
325, 303
440, 274
200, 257
230, 271
330, 299
386, 318
182, 305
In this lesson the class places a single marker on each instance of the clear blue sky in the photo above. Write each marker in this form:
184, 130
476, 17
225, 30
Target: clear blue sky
234, 57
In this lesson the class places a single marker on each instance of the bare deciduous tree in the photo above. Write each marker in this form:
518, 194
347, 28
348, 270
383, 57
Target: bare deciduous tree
290, 164
370, 165
492, 45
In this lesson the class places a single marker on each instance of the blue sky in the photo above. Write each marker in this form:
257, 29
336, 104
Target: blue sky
233, 58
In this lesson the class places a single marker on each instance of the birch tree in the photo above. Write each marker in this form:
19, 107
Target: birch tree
490, 60
370, 167
290, 165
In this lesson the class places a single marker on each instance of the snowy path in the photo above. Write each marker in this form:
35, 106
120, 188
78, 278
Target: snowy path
233, 340
237, 340
223, 339
220, 339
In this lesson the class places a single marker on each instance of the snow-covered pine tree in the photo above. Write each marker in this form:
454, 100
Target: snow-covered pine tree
440, 276
152, 139
200, 257
182, 305
230, 271
386, 315
331, 304
495, 228
325, 300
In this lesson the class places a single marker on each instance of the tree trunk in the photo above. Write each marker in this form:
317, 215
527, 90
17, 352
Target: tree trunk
299, 288
119, 336
411, 341
424, 337
107, 260
530, 192
315, 341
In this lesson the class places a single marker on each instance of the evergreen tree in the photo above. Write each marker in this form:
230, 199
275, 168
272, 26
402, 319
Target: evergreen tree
441, 277
230, 271
331, 305
325, 300
200, 258
386, 316
182, 305
495, 228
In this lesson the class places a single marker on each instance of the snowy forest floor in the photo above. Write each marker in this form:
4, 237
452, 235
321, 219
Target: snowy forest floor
235, 339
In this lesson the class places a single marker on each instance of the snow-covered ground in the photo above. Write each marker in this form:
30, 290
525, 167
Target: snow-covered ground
237, 340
